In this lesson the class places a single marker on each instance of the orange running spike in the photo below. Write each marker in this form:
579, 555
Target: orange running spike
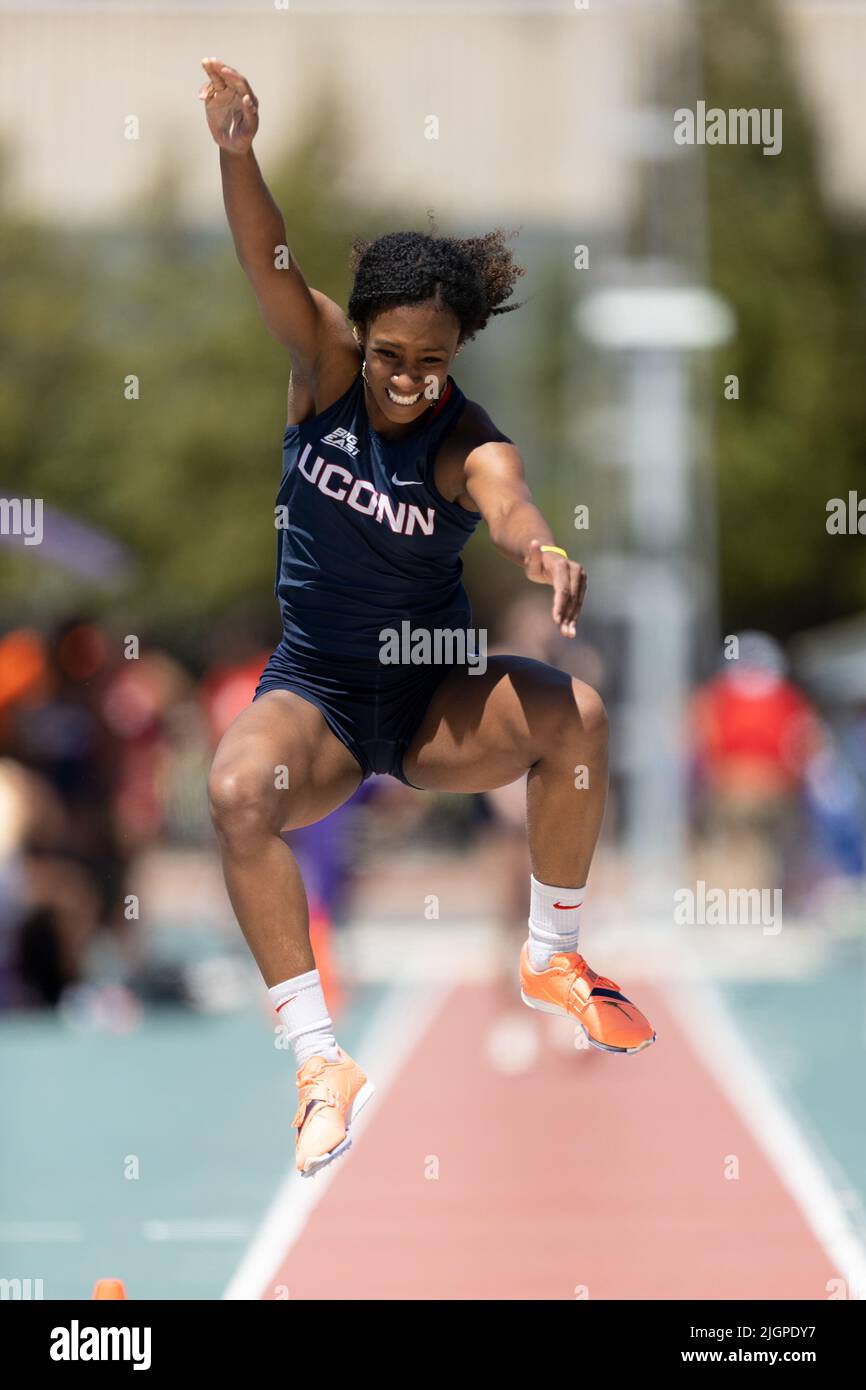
325, 1129
109, 1288
568, 986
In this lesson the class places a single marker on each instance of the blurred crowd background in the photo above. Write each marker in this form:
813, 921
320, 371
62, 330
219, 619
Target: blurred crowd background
142, 400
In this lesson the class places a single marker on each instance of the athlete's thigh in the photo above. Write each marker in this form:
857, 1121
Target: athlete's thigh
281, 748
483, 731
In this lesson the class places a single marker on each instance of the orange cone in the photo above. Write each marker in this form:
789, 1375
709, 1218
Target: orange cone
109, 1288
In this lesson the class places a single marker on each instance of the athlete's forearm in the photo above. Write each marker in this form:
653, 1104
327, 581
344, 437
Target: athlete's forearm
256, 223
511, 530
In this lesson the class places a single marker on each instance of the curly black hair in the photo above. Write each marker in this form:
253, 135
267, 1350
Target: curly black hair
471, 276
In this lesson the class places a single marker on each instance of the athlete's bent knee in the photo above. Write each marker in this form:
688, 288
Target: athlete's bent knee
244, 801
575, 714
590, 708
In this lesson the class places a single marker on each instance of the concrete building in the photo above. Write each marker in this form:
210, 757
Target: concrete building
536, 101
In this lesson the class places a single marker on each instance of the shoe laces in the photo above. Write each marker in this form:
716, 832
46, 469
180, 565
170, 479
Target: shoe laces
578, 967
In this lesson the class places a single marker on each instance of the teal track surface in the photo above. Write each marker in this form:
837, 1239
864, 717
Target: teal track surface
203, 1103
809, 1035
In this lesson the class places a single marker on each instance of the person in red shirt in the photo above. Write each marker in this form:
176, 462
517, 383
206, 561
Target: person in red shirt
753, 735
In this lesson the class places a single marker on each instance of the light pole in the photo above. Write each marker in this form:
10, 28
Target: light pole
651, 330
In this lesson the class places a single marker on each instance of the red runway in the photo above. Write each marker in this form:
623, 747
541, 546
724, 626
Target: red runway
588, 1176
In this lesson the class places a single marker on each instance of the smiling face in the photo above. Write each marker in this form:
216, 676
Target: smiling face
407, 351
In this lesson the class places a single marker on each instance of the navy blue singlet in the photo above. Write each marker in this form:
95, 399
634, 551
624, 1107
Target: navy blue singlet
365, 543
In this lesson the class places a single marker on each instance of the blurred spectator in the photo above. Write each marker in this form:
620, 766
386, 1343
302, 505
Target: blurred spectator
753, 737
49, 901
837, 811
152, 708
58, 790
99, 756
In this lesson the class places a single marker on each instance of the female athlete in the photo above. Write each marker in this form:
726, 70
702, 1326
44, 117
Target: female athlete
387, 470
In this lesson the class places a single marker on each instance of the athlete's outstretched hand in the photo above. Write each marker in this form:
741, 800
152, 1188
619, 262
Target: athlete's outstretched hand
569, 584
230, 106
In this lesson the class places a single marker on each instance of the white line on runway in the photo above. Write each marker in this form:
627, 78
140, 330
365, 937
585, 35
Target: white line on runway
719, 1042
40, 1232
397, 1028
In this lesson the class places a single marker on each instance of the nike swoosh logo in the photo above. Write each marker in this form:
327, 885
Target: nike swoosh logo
617, 1006
405, 482
568, 907
287, 1001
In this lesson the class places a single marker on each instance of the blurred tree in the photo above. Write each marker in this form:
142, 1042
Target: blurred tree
794, 273
186, 474
48, 360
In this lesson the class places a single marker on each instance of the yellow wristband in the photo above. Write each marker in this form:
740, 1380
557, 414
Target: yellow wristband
557, 550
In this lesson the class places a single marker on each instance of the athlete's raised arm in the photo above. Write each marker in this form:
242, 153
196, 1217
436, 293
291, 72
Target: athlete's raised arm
495, 481
299, 317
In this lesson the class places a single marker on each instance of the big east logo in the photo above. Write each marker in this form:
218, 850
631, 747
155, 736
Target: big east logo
336, 482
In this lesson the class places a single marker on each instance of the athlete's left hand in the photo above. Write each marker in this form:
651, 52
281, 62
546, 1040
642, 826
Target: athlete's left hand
569, 584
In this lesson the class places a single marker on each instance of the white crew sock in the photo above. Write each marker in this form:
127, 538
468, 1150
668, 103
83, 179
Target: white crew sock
554, 921
300, 1004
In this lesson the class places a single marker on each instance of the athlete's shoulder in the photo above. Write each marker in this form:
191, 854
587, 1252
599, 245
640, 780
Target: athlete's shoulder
313, 393
475, 427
